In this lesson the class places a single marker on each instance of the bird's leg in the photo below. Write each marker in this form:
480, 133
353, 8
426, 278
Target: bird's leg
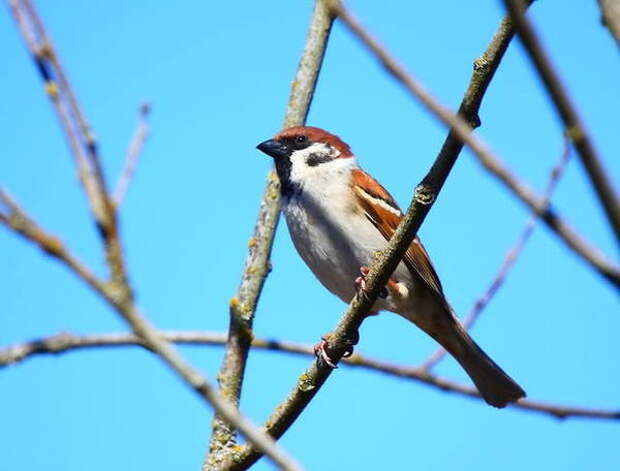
360, 284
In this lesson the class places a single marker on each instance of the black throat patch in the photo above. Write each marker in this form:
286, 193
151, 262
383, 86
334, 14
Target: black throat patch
283, 169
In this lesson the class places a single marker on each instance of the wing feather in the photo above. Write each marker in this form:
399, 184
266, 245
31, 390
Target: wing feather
383, 211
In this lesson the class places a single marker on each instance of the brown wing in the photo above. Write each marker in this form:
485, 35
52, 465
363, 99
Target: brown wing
384, 213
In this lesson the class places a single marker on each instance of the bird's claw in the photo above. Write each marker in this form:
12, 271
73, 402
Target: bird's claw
360, 283
321, 353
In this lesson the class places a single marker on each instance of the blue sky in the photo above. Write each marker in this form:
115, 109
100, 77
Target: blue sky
218, 79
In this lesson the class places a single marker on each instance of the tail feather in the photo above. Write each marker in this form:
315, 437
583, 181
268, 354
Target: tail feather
495, 386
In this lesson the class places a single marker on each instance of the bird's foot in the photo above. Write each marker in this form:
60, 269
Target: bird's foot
321, 353
360, 283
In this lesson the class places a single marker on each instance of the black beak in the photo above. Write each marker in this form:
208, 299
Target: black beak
274, 148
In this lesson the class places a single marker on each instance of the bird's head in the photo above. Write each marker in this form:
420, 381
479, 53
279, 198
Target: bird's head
305, 152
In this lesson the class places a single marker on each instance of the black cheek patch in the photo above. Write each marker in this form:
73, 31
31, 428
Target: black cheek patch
316, 159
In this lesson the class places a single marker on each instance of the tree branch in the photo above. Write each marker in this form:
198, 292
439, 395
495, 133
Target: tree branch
610, 17
77, 130
461, 132
511, 258
66, 342
243, 305
568, 113
16, 219
12, 216
117, 292
133, 154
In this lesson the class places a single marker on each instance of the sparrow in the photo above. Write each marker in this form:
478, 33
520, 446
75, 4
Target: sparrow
338, 216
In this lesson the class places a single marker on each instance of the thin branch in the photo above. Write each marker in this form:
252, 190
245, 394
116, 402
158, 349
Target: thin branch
243, 305
133, 154
551, 218
462, 131
41, 49
14, 218
511, 257
65, 342
223, 407
77, 130
568, 113
610, 17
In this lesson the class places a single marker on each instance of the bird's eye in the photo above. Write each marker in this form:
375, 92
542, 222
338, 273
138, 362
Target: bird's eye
300, 140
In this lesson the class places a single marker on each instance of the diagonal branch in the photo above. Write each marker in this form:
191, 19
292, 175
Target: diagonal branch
12, 216
551, 218
243, 305
42, 51
461, 132
65, 342
610, 17
511, 257
568, 113
133, 154
16, 219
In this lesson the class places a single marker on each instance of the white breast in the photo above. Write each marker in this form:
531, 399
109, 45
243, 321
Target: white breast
330, 231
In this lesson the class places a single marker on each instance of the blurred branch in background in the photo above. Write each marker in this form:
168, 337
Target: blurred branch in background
66, 342
133, 154
462, 132
257, 265
513, 254
610, 17
568, 113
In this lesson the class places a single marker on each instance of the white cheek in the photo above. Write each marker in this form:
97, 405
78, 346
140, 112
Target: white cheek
301, 171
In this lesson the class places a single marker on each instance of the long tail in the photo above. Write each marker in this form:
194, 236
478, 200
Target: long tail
496, 387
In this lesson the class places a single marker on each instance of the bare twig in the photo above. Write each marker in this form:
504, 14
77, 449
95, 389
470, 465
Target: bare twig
610, 17
223, 407
243, 305
462, 132
66, 342
568, 113
133, 154
16, 219
511, 257
41, 51
12, 216
550, 217
79, 134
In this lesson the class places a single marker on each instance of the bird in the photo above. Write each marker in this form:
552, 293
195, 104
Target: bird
339, 216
